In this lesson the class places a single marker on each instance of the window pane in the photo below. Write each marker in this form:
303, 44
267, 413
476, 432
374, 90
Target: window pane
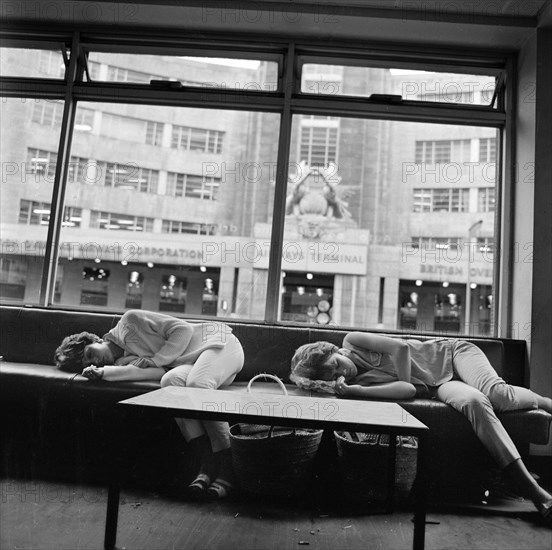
392, 217
28, 149
239, 74
38, 63
193, 221
411, 85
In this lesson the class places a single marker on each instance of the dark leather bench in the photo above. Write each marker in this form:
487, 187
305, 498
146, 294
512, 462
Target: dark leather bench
61, 421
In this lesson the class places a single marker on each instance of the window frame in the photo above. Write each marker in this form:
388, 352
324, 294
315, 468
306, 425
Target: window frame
287, 101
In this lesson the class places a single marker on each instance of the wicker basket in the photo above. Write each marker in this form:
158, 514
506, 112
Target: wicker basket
273, 461
363, 460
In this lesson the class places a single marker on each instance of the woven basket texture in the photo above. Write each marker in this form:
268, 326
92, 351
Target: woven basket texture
275, 463
363, 460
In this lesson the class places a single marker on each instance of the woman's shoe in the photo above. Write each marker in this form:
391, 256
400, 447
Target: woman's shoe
545, 511
220, 488
198, 487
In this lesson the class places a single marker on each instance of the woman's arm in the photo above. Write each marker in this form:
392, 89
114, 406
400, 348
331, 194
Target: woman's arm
111, 373
395, 348
391, 390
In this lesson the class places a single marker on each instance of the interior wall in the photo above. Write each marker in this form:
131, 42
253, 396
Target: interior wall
531, 304
541, 318
523, 182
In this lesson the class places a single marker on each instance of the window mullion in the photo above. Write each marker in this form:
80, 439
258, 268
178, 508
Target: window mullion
51, 253
278, 217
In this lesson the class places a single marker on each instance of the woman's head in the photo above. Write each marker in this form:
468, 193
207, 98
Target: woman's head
69, 356
310, 360
322, 363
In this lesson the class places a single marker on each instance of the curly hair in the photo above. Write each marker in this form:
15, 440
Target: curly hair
308, 360
69, 355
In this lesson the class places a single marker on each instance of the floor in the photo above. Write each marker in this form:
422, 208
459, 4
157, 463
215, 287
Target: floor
49, 515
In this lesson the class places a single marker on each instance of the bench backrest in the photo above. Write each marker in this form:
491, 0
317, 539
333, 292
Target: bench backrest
31, 335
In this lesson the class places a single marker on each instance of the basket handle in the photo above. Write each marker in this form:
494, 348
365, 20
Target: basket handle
283, 388
272, 377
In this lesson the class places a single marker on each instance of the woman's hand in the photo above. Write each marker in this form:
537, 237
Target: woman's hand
341, 387
144, 363
93, 373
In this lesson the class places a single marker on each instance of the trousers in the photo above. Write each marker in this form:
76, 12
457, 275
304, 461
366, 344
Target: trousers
478, 392
212, 369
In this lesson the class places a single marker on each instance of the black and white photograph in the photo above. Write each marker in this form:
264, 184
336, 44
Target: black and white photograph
276, 274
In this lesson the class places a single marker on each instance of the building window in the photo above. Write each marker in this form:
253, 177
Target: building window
95, 285
486, 199
38, 213
154, 133
172, 296
13, 278
487, 149
130, 177
202, 188
441, 200
191, 228
197, 139
84, 120
443, 151
486, 245
318, 145
134, 290
119, 74
51, 64
41, 163
307, 298
436, 243
193, 186
80, 171
94, 69
210, 296
120, 222
72, 217
48, 113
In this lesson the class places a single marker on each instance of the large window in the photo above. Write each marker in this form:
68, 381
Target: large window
344, 186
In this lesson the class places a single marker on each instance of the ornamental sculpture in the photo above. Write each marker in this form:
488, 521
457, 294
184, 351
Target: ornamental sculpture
316, 201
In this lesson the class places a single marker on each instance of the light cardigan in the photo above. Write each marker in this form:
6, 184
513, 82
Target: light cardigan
166, 340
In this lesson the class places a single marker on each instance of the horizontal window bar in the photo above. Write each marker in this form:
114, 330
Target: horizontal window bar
421, 112
150, 41
202, 97
228, 99
32, 88
35, 39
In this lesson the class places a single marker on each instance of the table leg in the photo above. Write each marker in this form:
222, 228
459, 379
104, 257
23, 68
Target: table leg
421, 495
112, 515
114, 490
391, 469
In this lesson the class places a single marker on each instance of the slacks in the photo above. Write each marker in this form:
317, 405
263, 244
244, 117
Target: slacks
477, 392
213, 368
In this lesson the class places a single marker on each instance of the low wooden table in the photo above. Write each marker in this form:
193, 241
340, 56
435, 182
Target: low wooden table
294, 411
